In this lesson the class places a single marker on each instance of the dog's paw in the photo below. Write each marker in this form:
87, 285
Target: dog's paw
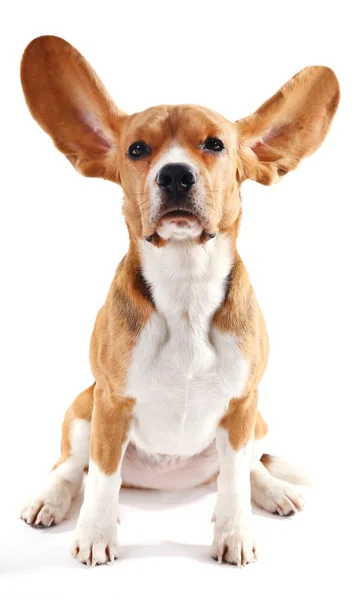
94, 546
233, 547
280, 498
48, 508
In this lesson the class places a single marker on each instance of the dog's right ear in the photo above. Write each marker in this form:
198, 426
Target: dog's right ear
70, 103
289, 126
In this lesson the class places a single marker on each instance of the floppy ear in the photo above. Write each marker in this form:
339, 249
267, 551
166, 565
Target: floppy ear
70, 103
289, 126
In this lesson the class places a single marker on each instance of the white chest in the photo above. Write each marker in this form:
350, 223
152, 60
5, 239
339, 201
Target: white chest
184, 372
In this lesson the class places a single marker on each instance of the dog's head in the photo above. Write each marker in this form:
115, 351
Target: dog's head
180, 167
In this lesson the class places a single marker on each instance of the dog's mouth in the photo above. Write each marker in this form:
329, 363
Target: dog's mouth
180, 218
180, 224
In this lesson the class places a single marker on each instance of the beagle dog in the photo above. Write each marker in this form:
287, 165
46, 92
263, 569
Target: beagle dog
180, 345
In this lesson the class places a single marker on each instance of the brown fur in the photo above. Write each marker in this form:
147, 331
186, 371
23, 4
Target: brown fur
261, 427
118, 324
291, 124
240, 314
111, 420
59, 86
240, 420
70, 103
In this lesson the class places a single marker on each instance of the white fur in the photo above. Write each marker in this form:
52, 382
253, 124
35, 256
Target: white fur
184, 371
163, 472
288, 471
51, 504
272, 494
96, 530
232, 516
72, 469
175, 154
171, 229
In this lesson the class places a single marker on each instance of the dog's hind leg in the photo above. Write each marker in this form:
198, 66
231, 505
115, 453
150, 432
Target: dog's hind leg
52, 503
272, 494
269, 478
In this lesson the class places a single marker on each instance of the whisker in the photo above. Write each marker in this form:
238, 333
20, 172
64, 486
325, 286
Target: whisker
142, 203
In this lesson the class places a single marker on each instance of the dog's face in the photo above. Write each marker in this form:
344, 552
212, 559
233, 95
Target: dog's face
180, 167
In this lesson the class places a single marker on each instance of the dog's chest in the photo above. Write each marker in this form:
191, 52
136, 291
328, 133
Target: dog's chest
184, 371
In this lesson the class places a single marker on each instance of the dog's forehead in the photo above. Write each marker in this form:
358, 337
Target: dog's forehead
175, 121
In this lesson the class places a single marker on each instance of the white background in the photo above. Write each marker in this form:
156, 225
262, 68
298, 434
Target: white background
62, 236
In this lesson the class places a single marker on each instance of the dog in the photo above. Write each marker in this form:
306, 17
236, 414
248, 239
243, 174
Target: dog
180, 345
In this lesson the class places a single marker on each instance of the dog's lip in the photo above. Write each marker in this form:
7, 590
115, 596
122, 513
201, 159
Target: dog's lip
179, 213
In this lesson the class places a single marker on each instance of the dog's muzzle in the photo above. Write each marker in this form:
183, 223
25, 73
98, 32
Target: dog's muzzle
178, 214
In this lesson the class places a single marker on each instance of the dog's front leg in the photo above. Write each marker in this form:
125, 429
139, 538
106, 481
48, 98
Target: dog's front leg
233, 541
96, 531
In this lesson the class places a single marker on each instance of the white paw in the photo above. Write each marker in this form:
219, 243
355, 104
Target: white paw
279, 497
235, 547
95, 546
49, 507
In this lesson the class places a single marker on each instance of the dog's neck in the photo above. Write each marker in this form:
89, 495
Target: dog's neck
188, 280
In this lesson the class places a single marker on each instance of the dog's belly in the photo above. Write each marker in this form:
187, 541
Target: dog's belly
182, 384
163, 472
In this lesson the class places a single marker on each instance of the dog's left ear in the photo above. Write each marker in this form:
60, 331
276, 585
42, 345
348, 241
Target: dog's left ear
291, 125
71, 104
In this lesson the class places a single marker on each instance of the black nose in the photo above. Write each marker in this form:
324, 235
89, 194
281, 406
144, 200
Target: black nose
175, 178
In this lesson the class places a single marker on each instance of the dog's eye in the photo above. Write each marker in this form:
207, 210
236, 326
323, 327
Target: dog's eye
138, 150
214, 145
